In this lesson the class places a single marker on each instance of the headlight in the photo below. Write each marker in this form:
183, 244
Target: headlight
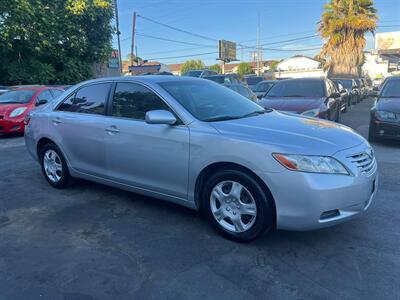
385, 115
311, 112
310, 163
17, 112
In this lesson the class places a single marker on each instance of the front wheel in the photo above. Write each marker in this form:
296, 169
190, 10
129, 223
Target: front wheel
54, 166
237, 206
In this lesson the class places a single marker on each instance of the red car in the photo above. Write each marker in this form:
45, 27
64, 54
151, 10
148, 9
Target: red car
17, 103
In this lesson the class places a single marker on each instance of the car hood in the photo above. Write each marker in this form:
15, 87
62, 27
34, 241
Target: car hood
290, 133
389, 104
291, 104
6, 108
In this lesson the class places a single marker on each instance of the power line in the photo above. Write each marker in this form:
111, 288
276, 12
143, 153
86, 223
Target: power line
177, 29
170, 40
183, 56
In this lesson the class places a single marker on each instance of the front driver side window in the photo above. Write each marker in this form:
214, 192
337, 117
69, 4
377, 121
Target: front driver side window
133, 100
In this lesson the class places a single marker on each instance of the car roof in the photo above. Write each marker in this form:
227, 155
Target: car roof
302, 79
147, 79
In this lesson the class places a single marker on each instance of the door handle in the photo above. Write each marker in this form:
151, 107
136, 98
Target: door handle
112, 130
56, 121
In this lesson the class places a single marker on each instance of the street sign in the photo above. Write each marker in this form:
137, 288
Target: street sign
113, 60
227, 51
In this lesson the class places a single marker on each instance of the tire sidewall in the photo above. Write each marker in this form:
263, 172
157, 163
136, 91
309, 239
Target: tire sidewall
65, 176
265, 209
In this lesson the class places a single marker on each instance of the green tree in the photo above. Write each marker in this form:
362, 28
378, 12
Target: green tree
192, 65
53, 42
273, 64
245, 68
215, 67
343, 25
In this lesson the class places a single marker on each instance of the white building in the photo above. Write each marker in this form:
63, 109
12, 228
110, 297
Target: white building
299, 66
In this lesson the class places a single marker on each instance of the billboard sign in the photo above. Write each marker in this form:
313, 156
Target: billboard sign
113, 60
387, 41
227, 51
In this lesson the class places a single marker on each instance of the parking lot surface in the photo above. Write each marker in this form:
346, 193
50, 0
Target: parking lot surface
95, 242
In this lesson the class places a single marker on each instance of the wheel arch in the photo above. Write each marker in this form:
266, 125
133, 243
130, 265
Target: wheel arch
218, 166
43, 141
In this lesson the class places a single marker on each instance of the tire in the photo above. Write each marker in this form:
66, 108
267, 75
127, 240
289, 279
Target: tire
57, 173
338, 115
371, 137
246, 227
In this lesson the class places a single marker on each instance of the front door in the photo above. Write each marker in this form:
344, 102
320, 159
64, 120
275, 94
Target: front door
149, 156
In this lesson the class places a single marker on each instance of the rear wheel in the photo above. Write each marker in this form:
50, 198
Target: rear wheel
54, 166
237, 206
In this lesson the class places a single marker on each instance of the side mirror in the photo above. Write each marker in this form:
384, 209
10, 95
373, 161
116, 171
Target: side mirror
160, 117
41, 102
335, 95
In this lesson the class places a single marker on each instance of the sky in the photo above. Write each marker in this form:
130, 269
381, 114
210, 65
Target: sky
287, 27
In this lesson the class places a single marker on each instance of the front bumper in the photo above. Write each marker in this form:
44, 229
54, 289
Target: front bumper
306, 201
12, 125
388, 130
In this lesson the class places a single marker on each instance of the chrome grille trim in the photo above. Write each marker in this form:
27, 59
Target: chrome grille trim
364, 161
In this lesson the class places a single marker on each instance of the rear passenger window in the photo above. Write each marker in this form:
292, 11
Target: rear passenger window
89, 99
133, 101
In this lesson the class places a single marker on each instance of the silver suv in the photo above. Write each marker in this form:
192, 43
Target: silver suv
196, 143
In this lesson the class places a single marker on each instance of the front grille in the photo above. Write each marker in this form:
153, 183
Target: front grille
364, 161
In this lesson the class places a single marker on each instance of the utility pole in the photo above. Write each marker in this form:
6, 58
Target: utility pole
118, 35
258, 46
133, 36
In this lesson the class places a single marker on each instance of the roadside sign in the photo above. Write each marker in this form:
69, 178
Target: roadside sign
227, 51
113, 60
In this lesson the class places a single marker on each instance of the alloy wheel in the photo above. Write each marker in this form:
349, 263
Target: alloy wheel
52, 165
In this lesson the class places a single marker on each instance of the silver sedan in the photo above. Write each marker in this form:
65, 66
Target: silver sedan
201, 145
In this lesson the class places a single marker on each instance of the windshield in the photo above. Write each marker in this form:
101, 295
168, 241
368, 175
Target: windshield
218, 79
263, 87
298, 88
193, 73
391, 89
208, 101
347, 83
18, 96
253, 80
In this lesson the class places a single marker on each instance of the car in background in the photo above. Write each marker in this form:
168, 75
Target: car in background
17, 103
243, 90
200, 73
377, 82
198, 144
313, 97
361, 88
263, 87
3, 89
224, 78
385, 114
345, 96
252, 81
351, 87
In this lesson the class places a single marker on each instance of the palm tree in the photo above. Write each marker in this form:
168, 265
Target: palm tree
343, 26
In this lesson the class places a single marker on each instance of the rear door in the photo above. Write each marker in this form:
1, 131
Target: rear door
148, 156
79, 125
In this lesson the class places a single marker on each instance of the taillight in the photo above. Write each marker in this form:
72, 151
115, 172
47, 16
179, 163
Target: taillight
27, 119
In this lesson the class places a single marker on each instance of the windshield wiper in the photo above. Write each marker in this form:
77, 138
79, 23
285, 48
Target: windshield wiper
11, 101
221, 118
257, 112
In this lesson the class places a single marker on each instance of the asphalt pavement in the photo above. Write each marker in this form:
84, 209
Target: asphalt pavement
95, 242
